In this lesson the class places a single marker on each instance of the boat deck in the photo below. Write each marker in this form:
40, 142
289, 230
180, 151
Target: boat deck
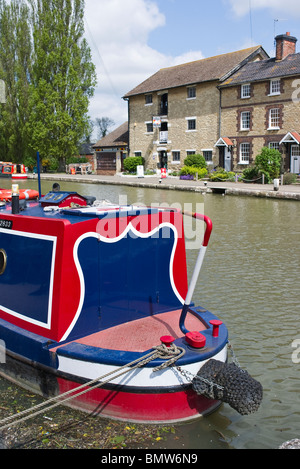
141, 334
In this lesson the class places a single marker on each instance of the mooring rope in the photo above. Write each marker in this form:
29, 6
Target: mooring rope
171, 354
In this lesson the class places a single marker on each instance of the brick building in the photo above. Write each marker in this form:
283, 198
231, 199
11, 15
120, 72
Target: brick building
259, 107
225, 107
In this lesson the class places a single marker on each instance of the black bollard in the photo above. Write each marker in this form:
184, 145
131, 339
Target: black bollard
15, 199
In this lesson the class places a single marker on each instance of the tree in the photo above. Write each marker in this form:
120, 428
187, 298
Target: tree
103, 124
15, 71
269, 162
63, 78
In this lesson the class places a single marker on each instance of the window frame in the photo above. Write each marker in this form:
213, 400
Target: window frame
247, 121
271, 125
191, 92
150, 97
277, 92
174, 153
191, 120
248, 87
241, 157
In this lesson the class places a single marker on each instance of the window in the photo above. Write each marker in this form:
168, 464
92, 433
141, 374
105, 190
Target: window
164, 104
191, 92
176, 156
274, 146
246, 91
274, 116
191, 123
149, 127
207, 155
244, 153
245, 120
274, 87
137, 153
148, 99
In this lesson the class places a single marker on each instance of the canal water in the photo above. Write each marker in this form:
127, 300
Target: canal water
250, 278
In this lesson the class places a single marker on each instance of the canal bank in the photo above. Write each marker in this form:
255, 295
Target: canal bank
289, 192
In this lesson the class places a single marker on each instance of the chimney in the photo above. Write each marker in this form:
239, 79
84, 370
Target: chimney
285, 45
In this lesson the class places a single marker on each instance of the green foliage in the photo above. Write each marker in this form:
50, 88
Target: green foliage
77, 160
289, 178
131, 162
197, 161
15, 71
49, 75
192, 171
268, 162
251, 174
222, 175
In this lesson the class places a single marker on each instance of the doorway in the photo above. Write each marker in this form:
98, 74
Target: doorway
163, 159
295, 159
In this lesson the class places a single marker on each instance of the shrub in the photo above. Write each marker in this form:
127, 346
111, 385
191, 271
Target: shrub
192, 171
222, 176
289, 178
131, 162
251, 174
269, 162
197, 161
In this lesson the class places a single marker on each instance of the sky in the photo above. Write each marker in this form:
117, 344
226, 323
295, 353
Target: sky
132, 39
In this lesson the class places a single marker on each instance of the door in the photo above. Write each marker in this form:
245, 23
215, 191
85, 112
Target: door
295, 159
227, 158
163, 159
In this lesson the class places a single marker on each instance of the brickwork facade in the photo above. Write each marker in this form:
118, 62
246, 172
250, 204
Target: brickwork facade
271, 117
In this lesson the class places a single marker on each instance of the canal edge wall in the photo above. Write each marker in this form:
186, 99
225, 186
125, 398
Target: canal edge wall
166, 184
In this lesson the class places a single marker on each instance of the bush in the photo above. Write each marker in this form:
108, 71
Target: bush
289, 178
251, 174
131, 162
269, 163
192, 171
196, 161
222, 175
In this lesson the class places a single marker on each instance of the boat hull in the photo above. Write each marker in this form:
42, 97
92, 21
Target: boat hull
123, 402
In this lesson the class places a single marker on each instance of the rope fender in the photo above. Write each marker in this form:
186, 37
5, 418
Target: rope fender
226, 382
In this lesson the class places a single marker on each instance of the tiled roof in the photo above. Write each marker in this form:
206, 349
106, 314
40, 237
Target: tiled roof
118, 137
213, 68
265, 70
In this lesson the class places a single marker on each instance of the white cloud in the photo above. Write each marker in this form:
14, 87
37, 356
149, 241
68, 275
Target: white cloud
118, 32
241, 7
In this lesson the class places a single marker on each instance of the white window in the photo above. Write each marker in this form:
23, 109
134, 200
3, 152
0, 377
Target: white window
244, 153
275, 87
246, 91
245, 120
176, 156
191, 92
274, 116
149, 127
148, 99
191, 124
274, 146
207, 155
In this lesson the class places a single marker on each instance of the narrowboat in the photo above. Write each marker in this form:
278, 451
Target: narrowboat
94, 296
13, 170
